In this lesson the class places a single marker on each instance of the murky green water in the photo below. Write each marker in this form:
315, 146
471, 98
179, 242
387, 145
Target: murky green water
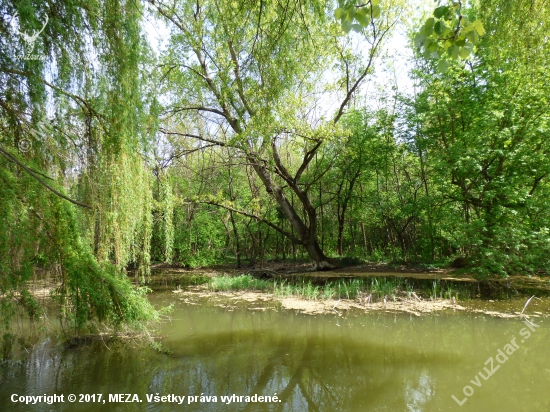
372, 362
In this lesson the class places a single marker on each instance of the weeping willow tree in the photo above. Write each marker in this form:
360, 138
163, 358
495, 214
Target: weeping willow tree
75, 190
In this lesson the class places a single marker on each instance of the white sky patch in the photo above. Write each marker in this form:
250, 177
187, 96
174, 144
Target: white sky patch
393, 68
156, 31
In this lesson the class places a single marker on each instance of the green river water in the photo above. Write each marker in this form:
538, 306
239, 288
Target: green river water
354, 362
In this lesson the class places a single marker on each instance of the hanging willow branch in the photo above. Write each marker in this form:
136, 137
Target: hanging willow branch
11, 158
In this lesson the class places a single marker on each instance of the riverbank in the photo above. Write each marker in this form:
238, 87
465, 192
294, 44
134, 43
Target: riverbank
262, 301
318, 293
523, 284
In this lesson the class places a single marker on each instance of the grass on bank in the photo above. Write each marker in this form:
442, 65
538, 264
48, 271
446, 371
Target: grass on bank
372, 288
242, 282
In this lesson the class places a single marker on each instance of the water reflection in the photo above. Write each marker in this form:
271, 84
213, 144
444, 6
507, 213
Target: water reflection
417, 394
325, 363
311, 363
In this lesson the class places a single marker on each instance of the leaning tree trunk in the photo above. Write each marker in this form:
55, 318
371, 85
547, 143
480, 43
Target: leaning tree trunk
306, 234
320, 261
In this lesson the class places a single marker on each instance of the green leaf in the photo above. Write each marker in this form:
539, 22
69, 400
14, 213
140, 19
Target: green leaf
453, 51
447, 32
427, 54
346, 26
350, 14
442, 66
338, 13
357, 28
362, 19
473, 37
468, 27
375, 12
465, 51
440, 11
429, 26
375, 2
460, 42
440, 27
478, 25
418, 39
427, 42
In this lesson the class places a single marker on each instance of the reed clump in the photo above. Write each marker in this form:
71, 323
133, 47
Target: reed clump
371, 288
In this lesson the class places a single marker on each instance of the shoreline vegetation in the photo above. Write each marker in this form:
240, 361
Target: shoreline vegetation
331, 292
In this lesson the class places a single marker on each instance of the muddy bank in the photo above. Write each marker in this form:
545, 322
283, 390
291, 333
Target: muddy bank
257, 300
415, 292
417, 306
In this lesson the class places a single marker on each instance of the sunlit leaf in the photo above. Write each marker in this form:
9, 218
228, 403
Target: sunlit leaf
479, 27
362, 11
362, 19
465, 51
473, 37
453, 51
427, 54
429, 26
468, 27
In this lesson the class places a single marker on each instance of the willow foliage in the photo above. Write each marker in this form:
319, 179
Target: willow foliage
75, 192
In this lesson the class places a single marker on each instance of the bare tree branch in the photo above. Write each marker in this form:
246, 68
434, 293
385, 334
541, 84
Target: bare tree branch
194, 136
256, 217
197, 108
